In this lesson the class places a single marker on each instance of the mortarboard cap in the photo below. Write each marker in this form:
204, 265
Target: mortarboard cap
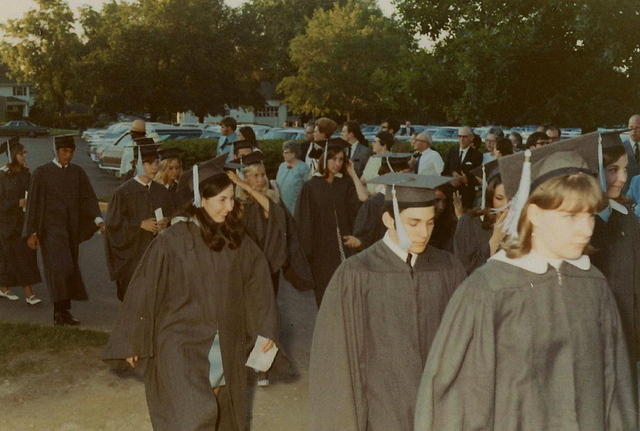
64, 141
250, 159
201, 172
170, 153
144, 149
238, 145
411, 190
393, 162
522, 172
320, 147
8, 147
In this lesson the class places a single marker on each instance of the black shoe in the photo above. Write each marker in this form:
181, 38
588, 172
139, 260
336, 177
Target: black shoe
64, 318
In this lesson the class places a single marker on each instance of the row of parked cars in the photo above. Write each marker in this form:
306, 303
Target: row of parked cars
110, 147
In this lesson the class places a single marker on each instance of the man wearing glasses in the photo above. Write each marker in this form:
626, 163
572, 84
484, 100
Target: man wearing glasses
459, 163
390, 125
427, 161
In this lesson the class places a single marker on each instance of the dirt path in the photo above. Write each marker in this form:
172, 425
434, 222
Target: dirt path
75, 391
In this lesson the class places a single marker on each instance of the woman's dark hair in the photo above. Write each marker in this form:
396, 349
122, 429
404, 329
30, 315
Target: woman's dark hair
13, 166
518, 137
331, 153
386, 139
489, 217
249, 135
534, 138
354, 127
611, 155
217, 235
505, 146
477, 141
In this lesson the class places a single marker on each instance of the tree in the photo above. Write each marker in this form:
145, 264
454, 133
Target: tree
42, 49
523, 62
348, 62
163, 57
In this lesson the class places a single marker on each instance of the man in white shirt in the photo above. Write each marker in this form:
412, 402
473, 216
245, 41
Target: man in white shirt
427, 161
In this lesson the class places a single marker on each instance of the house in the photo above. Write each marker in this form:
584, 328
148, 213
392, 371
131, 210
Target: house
274, 113
16, 99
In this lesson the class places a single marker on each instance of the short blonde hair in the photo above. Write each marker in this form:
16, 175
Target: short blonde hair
577, 192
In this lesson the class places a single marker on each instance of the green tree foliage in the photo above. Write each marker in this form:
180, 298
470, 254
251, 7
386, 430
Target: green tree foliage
530, 62
348, 63
165, 56
42, 48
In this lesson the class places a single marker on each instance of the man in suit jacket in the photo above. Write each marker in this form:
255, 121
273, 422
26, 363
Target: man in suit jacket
632, 145
359, 152
459, 163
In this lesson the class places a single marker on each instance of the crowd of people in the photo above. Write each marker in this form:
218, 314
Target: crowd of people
480, 290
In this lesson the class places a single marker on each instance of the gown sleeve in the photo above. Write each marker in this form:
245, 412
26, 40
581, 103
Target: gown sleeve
468, 246
35, 205
7, 203
336, 382
304, 218
89, 209
275, 240
133, 333
260, 303
120, 235
620, 393
297, 270
367, 219
457, 387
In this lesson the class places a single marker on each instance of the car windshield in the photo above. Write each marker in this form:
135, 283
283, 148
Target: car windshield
445, 133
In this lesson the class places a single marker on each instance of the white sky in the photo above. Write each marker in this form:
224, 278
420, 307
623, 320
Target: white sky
16, 8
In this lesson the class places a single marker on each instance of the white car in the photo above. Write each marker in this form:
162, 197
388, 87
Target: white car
289, 134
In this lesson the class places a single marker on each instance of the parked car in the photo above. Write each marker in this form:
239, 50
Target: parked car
445, 134
288, 134
22, 128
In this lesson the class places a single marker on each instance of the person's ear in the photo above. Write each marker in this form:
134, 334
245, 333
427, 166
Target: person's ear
534, 215
388, 221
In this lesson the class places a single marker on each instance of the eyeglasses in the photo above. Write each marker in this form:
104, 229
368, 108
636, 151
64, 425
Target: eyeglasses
464, 136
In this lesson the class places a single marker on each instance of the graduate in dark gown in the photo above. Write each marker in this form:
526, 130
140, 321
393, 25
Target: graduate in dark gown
62, 212
18, 263
533, 340
131, 221
368, 227
479, 234
616, 239
378, 318
194, 307
326, 210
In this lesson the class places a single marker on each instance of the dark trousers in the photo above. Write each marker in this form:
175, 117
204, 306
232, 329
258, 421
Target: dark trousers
63, 305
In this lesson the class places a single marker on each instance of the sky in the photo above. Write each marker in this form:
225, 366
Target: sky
16, 8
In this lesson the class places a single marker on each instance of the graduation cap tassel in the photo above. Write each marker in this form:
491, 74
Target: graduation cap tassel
602, 179
326, 148
520, 199
196, 187
53, 145
484, 188
139, 166
403, 238
389, 164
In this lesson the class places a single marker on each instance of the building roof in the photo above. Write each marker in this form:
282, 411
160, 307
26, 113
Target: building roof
4, 76
14, 100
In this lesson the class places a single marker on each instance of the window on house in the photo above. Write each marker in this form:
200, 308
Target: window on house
267, 111
20, 90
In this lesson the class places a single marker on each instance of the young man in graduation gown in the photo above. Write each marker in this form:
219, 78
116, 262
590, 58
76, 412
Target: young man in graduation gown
132, 219
62, 212
379, 315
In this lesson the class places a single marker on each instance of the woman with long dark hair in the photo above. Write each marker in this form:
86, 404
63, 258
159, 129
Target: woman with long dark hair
479, 232
616, 238
533, 340
18, 263
195, 306
326, 211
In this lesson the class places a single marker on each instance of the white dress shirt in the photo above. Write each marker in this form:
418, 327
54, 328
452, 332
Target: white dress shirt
430, 163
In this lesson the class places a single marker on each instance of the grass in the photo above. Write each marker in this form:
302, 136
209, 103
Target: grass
17, 338
57, 132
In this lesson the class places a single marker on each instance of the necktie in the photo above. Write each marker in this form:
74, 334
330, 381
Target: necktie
461, 156
416, 168
637, 152
408, 261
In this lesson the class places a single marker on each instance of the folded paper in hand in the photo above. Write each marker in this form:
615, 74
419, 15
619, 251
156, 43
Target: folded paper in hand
259, 360
158, 214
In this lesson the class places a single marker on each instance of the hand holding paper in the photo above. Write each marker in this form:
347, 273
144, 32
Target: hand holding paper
259, 359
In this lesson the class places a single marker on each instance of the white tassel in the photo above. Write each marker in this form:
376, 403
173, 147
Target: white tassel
139, 166
389, 164
196, 187
403, 238
9, 151
520, 199
605, 213
484, 188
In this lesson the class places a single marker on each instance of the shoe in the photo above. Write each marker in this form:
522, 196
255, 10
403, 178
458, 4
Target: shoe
64, 318
10, 296
33, 300
263, 379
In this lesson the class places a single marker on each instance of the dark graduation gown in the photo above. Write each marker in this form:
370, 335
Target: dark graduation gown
372, 336
18, 263
125, 240
268, 233
518, 350
180, 295
471, 242
61, 210
322, 208
617, 244
368, 227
